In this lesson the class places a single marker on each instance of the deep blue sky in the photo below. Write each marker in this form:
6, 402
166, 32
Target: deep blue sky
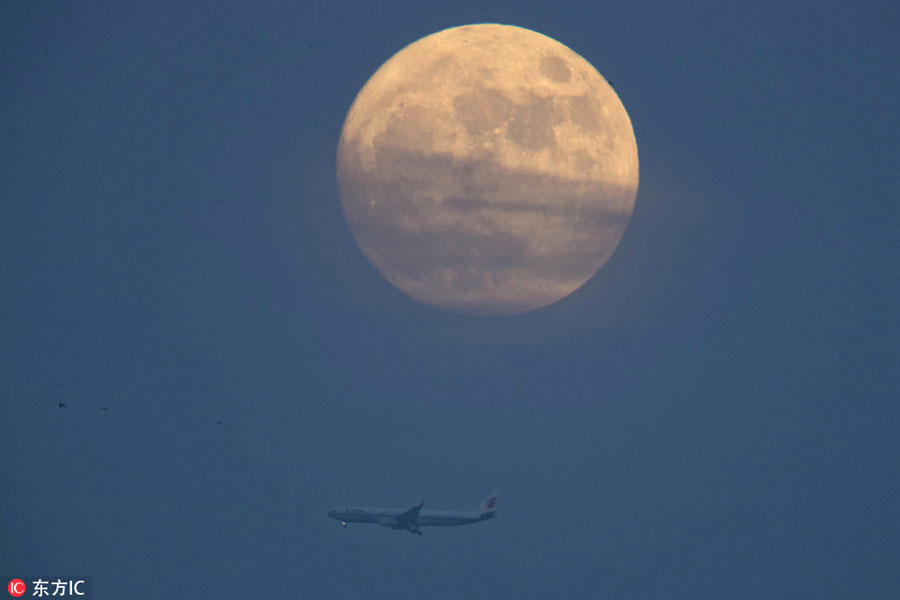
713, 415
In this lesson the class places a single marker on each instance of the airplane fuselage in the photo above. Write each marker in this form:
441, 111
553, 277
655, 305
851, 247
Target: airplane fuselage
389, 517
413, 518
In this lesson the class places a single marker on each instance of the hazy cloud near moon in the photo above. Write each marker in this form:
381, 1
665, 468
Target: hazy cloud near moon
498, 239
487, 170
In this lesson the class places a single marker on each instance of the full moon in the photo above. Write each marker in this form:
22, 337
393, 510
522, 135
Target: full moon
487, 170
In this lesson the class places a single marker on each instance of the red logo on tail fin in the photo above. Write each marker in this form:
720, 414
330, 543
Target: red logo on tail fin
492, 502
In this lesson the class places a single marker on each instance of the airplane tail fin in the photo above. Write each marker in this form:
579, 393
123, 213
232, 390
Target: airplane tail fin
485, 510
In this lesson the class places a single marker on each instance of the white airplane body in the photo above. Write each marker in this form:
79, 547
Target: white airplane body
413, 518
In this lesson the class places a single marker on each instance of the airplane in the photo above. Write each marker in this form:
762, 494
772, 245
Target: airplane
413, 518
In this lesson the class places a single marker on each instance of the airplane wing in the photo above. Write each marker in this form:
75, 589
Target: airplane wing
411, 514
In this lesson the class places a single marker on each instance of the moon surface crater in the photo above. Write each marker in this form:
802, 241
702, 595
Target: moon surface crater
487, 169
